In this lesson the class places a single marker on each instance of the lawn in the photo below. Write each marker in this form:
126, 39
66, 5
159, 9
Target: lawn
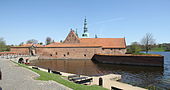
50, 76
156, 49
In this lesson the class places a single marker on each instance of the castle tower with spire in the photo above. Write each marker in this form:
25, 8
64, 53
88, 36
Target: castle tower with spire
85, 33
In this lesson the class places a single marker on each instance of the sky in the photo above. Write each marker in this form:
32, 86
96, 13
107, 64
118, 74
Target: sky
21, 20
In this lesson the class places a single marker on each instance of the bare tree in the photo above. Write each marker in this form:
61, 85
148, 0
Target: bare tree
148, 41
32, 41
48, 40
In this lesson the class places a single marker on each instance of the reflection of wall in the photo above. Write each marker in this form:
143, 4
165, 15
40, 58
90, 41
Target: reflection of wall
86, 67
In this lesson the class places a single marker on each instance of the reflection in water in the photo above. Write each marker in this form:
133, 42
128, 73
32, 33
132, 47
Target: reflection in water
135, 75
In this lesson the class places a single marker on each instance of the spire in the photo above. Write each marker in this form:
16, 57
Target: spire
85, 25
96, 36
85, 34
76, 32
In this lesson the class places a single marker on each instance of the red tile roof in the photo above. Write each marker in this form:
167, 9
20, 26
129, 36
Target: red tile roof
94, 42
7, 52
29, 45
105, 42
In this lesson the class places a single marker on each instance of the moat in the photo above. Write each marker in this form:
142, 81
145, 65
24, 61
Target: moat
135, 75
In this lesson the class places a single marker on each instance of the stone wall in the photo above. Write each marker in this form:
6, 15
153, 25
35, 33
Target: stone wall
130, 60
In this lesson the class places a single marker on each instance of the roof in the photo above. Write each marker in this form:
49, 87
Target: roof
29, 45
94, 42
71, 45
7, 52
72, 40
105, 42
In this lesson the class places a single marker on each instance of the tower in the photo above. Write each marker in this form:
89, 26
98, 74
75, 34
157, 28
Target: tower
85, 34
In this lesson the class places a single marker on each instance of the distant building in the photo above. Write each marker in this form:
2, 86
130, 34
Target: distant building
74, 47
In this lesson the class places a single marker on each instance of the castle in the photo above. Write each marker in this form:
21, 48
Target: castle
74, 47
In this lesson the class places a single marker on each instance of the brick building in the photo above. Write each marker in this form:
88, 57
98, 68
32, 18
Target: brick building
74, 47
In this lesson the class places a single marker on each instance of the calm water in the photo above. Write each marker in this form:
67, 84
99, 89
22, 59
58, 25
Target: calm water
135, 75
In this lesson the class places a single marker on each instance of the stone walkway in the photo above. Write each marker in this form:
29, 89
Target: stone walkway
19, 78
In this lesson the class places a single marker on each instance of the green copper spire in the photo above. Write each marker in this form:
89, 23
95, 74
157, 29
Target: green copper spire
85, 34
76, 32
85, 25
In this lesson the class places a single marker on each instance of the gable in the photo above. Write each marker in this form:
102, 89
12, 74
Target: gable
72, 38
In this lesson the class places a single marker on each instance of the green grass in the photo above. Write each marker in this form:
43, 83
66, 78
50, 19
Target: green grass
156, 49
50, 76
141, 54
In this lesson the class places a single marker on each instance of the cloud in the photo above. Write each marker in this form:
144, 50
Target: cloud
111, 20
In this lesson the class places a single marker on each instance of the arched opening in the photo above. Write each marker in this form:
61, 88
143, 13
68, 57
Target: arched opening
21, 60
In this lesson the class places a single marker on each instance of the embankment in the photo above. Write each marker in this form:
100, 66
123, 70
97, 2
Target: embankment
142, 60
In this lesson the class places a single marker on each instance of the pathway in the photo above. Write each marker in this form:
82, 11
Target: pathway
19, 78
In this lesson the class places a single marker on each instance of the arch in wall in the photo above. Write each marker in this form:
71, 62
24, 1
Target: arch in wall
21, 60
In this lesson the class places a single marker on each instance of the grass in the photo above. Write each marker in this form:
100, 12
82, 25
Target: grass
141, 54
50, 76
157, 49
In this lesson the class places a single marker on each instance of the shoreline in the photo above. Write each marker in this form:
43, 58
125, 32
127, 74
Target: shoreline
108, 81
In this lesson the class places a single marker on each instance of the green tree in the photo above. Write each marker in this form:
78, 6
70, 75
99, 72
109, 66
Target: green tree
48, 40
134, 48
3, 46
32, 41
21, 43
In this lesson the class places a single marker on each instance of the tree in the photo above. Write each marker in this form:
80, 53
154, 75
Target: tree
32, 41
48, 40
148, 41
2, 41
21, 43
3, 46
96, 36
40, 43
135, 47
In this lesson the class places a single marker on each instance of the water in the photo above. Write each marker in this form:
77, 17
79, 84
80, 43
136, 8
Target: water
136, 75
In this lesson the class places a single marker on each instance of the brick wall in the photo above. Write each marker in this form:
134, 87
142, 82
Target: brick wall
66, 53
20, 50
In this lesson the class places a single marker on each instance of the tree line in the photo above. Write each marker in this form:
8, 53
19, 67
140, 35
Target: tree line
3, 46
48, 40
147, 44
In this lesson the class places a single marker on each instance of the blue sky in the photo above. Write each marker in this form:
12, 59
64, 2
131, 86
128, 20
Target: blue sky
21, 20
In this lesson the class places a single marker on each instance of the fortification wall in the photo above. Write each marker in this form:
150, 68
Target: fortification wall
69, 53
130, 60
20, 50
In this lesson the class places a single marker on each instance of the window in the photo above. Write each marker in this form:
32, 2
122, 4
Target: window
85, 55
56, 53
51, 55
68, 53
102, 48
64, 55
